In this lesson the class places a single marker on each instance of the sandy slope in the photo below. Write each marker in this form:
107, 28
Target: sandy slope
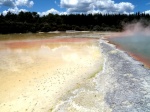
33, 79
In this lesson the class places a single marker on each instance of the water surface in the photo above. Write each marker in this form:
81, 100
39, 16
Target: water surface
138, 45
36, 73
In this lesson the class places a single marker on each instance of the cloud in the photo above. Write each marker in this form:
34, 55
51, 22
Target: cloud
105, 6
69, 3
53, 11
15, 3
74, 6
147, 12
24, 3
7, 3
13, 10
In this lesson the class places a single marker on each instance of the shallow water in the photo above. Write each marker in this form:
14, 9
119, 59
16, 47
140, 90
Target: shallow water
36, 73
138, 45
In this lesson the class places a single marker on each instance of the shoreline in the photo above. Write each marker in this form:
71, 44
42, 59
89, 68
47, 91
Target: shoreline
122, 85
132, 92
136, 57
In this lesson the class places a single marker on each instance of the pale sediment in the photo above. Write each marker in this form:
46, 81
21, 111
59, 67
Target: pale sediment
122, 86
33, 79
70, 78
132, 93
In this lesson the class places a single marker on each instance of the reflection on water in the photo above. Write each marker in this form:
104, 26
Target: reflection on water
35, 74
137, 44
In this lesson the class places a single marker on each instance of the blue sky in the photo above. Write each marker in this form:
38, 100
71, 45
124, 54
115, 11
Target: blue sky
43, 7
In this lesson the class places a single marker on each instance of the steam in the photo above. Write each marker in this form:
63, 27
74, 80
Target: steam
137, 28
18, 59
136, 40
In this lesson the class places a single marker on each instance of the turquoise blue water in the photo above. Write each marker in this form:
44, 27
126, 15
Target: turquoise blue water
138, 44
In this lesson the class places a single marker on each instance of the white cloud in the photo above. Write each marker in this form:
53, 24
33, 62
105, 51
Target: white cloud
53, 11
104, 6
147, 12
13, 10
8, 3
24, 3
15, 3
68, 3
74, 6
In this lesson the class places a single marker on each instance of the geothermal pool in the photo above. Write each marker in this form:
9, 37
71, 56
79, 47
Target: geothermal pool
136, 44
36, 73
68, 74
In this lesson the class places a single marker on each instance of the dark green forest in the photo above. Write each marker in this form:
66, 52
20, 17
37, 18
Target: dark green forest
25, 22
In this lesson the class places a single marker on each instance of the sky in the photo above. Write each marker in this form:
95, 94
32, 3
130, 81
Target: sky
44, 7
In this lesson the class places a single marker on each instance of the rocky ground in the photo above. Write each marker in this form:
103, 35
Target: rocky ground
131, 89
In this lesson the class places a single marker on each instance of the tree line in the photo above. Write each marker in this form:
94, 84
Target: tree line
25, 22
